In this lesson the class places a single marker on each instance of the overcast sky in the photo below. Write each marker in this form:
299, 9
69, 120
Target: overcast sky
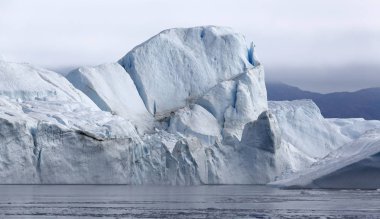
320, 45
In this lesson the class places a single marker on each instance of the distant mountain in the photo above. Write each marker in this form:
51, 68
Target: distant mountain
359, 104
281, 91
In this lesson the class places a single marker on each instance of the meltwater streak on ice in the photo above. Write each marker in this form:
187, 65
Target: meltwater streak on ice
184, 202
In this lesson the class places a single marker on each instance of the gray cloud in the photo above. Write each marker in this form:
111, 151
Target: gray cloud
329, 78
316, 36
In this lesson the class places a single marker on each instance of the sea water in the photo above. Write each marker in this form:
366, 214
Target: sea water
216, 201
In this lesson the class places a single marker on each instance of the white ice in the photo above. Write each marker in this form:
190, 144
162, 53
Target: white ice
188, 106
113, 90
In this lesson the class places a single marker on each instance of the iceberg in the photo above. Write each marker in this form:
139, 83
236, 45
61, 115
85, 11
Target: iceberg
188, 106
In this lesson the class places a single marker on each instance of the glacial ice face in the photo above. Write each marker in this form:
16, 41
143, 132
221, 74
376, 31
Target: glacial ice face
356, 165
111, 161
258, 149
303, 126
263, 154
113, 90
17, 155
58, 142
236, 102
26, 82
195, 121
179, 65
262, 134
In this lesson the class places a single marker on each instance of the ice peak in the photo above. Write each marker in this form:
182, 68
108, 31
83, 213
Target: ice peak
185, 62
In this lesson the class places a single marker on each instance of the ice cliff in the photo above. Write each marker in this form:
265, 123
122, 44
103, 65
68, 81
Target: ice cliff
188, 106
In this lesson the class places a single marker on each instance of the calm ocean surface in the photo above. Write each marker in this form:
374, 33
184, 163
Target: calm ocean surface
121, 201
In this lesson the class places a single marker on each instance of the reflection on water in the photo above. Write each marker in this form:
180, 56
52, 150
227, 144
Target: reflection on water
73, 201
